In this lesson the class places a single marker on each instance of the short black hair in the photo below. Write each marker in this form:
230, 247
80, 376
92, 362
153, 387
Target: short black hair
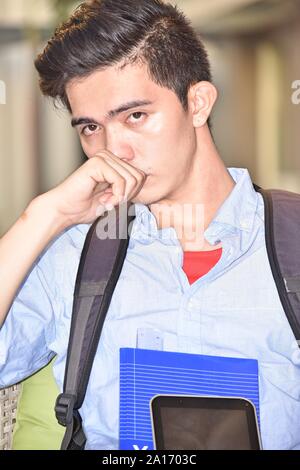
102, 33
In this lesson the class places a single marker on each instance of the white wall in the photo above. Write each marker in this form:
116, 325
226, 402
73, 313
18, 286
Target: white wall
17, 132
38, 147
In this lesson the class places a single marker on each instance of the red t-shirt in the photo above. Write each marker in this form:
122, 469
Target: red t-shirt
198, 263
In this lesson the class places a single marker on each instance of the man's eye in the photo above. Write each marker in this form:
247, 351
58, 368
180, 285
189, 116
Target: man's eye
136, 117
90, 129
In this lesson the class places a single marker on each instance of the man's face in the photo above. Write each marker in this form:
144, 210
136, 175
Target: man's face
149, 128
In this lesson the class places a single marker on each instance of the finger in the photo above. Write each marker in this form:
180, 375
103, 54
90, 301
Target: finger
128, 166
101, 170
134, 178
137, 173
130, 181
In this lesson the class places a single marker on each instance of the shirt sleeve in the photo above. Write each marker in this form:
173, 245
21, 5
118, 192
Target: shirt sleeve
38, 323
28, 329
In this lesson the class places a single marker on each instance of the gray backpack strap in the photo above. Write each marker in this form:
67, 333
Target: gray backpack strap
98, 272
282, 223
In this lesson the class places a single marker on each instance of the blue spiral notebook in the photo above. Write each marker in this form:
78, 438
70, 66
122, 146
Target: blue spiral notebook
145, 373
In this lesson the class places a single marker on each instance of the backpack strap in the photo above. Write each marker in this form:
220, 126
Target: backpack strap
98, 272
282, 232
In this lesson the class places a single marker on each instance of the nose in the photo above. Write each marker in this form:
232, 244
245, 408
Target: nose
118, 144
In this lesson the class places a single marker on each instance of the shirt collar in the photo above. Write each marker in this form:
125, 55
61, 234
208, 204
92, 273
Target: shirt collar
236, 214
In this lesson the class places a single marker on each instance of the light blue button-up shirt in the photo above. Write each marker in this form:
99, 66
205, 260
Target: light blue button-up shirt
234, 310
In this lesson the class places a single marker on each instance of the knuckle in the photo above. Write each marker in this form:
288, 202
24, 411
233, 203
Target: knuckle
98, 154
101, 157
92, 165
96, 161
142, 177
132, 180
101, 153
137, 175
120, 180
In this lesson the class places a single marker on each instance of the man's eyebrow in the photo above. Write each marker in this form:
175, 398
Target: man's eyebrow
111, 114
126, 106
84, 120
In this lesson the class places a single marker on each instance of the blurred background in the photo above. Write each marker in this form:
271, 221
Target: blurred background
254, 47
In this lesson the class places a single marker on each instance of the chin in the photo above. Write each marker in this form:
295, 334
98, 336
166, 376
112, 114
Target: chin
143, 197
142, 200
148, 195
146, 200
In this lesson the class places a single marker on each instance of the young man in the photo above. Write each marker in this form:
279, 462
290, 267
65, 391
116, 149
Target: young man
137, 82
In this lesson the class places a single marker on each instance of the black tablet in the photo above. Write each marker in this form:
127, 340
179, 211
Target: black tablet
181, 422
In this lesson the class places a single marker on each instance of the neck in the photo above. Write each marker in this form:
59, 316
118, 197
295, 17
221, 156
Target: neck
193, 206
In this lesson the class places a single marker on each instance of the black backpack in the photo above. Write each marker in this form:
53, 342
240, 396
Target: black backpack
99, 270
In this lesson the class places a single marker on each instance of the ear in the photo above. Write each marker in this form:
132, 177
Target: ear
201, 97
